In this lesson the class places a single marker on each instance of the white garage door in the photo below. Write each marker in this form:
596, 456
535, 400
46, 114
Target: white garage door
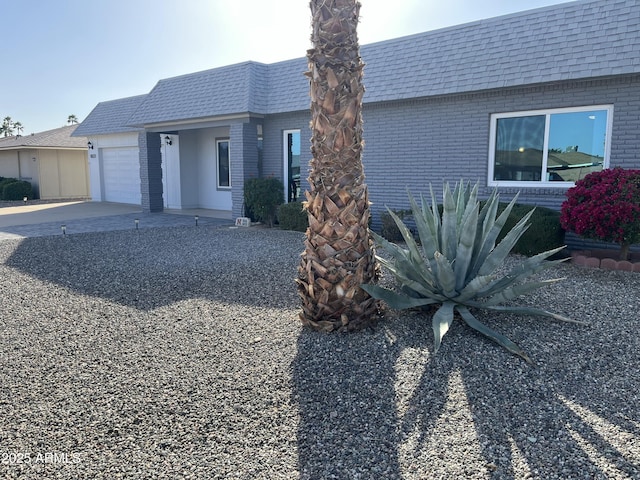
121, 175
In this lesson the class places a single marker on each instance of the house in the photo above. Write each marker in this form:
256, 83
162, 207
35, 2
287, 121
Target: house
54, 162
114, 164
528, 102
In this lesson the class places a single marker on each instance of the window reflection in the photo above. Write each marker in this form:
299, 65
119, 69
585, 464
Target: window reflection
519, 147
576, 144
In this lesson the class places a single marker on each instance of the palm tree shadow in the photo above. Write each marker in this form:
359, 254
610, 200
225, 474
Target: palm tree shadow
529, 420
344, 388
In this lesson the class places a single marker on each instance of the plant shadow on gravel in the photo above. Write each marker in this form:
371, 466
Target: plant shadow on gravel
380, 405
344, 388
157, 267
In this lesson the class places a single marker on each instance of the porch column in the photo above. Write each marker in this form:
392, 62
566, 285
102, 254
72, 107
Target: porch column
150, 171
244, 161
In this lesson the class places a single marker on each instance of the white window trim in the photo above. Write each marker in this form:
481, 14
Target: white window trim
218, 186
547, 112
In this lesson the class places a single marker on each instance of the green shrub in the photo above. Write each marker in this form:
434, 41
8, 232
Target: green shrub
390, 230
5, 181
455, 267
544, 233
291, 216
262, 197
15, 190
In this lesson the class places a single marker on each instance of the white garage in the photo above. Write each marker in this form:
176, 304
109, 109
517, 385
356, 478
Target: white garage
114, 164
121, 175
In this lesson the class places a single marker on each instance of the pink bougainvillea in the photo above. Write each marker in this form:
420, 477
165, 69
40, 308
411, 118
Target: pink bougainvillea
605, 206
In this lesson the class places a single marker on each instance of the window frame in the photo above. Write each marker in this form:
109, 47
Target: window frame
547, 113
218, 183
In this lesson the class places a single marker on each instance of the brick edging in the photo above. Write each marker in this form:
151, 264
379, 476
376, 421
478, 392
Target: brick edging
584, 259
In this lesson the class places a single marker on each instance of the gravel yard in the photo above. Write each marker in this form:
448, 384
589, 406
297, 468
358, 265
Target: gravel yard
177, 353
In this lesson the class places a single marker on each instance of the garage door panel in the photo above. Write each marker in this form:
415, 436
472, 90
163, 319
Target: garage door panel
121, 175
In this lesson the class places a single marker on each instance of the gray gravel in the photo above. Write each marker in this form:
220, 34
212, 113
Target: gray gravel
177, 353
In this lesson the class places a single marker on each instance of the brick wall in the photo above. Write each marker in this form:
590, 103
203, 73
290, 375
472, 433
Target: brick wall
244, 161
150, 171
412, 144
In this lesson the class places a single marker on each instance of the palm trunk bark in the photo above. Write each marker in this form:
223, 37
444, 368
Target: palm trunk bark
339, 254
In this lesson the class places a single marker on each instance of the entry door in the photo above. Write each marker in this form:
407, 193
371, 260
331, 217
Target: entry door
291, 165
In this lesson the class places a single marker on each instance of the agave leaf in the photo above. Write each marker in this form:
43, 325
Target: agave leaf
530, 266
500, 339
488, 213
473, 287
445, 276
391, 248
407, 236
395, 300
467, 235
441, 322
449, 222
490, 236
500, 252
425, 224
459, 195
436, 215
515, 291
423, 290
412, 280
533, 311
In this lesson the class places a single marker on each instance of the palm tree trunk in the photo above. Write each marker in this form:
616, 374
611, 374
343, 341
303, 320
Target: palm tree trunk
339, 254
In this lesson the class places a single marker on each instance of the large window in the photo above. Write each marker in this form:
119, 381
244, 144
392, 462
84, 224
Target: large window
551, 147
223, 164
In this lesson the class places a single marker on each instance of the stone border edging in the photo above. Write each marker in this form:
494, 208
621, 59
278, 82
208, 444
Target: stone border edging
586, 259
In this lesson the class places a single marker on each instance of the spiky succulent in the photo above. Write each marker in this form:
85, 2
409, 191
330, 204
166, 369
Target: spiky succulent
456, 261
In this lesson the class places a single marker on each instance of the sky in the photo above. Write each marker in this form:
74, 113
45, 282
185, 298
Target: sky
62, 57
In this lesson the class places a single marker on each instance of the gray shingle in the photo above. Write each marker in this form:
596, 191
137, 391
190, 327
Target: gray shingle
110, 117
58, 137
569, 41
220, 91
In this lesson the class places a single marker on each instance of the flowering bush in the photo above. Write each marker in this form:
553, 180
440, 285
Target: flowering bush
605, 206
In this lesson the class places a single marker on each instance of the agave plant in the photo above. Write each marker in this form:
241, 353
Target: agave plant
455, 265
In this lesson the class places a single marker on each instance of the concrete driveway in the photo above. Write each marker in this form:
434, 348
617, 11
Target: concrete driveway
42, 219
61, 212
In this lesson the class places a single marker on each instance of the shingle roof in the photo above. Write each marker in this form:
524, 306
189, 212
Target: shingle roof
569, 41
220, 91
110, 117
56, 138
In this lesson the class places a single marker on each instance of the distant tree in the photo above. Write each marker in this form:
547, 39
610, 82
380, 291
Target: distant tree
72, 119
18, 126
7, 126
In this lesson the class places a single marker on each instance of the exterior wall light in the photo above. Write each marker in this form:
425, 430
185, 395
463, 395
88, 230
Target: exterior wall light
167, 140
90, 145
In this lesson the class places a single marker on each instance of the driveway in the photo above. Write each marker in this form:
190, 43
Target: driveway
42, 219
